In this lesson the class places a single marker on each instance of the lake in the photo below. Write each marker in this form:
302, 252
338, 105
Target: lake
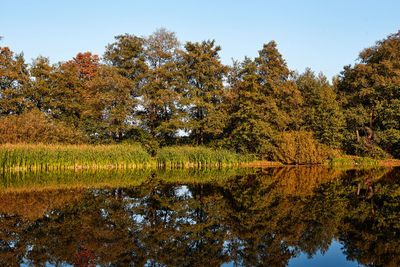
288, 216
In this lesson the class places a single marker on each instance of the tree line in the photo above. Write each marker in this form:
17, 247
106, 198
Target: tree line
156, 91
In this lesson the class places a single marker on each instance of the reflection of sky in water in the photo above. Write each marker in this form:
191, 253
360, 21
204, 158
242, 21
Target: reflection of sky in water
332, 258
183, 191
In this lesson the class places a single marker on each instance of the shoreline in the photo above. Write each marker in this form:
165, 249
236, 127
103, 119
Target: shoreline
156, 165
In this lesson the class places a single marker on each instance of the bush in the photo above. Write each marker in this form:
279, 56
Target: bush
35, 127
366, 148
299, 147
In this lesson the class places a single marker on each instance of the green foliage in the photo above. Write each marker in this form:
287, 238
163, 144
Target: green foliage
204, 94
161, 92
264, 101
321, 111
370, 97
299, 147
141, 136
13, 80
365, 148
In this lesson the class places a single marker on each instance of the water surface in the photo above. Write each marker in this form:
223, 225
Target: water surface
294, 216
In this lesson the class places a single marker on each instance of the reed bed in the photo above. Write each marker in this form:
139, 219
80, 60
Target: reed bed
181, 156
43, 157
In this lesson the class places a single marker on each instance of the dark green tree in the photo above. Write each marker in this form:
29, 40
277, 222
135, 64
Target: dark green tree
14, 79
370, 94
204, 94
162, 89
321, 110
264, 102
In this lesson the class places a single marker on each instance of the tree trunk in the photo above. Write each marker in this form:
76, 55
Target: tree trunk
371, 120
201, 136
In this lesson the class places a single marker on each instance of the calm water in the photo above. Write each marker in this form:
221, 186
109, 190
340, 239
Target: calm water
299, 216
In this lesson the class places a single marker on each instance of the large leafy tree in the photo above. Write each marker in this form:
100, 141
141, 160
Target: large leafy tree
370, 93
42, 86
109, 105
13, 82
91, 97
264, 100
322, 112
127, 54
162, 88
249, 130
277, 83
204, 75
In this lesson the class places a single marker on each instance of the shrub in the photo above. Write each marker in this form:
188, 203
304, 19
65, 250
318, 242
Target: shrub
299, 147
35, 127
366, 148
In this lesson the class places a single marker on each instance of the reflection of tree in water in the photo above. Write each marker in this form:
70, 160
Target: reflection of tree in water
265, 218
371, 230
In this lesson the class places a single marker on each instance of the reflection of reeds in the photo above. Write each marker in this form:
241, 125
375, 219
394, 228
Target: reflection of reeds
198, 156
55, 179
43, 157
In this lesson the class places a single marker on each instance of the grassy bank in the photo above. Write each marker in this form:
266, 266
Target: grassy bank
44, 157
23, 156
352, 161
58, 157
198, 156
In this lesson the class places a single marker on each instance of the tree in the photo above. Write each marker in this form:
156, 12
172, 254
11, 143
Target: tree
162, 88
41, 88
204, 75
87, 65
371, 87
128, 55
249, 129
265, 101
278, 84
109, 106
13, 81
322, 113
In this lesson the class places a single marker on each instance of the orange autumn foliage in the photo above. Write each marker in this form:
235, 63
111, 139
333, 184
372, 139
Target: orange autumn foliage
87, 65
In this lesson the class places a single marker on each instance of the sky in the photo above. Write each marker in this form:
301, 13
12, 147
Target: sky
322, 35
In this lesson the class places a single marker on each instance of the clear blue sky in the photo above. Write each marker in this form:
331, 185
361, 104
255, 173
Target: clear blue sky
323, 35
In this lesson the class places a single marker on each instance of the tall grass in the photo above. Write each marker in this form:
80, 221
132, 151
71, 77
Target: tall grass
28, 156
45, 157
198, 156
